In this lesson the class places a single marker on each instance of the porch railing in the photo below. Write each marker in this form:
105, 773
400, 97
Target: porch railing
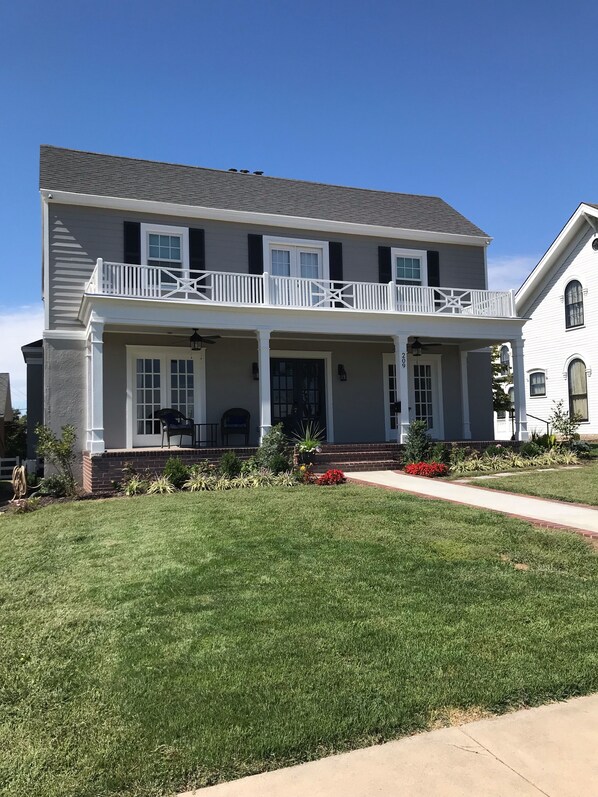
221, 287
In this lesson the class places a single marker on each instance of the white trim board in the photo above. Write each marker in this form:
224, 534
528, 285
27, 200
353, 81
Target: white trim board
262, 219
315, 355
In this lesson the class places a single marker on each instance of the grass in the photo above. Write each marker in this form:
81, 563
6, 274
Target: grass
154, 644
577, 485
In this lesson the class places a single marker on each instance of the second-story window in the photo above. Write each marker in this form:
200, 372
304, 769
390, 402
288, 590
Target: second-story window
291, 257
573, 305
410, 267
166, 248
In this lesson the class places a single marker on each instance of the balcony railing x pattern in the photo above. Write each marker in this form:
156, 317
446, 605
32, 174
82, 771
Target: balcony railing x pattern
221, 287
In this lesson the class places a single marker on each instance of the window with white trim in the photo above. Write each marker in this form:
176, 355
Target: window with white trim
293, 257
537, 383
410, 266
166, 248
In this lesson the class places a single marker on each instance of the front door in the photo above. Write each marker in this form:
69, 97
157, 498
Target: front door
298, 393
425, 400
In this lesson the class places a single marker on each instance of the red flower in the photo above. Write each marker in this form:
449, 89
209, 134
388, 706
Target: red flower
431, 469
332, 476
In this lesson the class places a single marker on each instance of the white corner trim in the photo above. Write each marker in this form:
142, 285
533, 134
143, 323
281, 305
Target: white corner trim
46, 261
262, 219
316, 355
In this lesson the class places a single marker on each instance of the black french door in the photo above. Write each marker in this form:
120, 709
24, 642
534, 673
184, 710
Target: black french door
298, 393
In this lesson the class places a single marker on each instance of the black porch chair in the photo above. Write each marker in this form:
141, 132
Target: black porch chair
175, 424
235, 421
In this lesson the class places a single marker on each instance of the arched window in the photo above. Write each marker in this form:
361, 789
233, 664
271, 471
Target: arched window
574, 304
578, 389
505, 359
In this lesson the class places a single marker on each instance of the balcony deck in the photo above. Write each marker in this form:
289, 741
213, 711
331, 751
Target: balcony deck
124, 280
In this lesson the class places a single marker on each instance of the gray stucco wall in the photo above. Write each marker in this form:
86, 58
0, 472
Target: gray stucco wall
479, 370
79, 235
65, 387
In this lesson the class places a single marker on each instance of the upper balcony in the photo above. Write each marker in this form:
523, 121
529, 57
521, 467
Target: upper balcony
267, 290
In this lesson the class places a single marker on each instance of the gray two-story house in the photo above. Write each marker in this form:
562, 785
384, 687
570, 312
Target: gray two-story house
169, 286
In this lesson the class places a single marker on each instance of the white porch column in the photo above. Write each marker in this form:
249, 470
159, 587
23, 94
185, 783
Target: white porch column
466, 427
263, 340
402, 382
519, 385
95, 388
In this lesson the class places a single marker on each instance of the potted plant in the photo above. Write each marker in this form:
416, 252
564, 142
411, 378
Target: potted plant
308, 443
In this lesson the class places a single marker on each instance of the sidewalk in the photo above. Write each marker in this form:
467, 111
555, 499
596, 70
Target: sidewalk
551, 513
548, 751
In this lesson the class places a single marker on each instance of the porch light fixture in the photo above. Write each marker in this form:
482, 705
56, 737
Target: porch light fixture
255, 372
195, 341
416, 348
342, 374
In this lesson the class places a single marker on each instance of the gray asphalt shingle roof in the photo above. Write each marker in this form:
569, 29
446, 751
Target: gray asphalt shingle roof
116, 176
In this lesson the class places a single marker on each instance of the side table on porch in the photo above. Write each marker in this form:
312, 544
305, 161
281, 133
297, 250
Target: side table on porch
206, 435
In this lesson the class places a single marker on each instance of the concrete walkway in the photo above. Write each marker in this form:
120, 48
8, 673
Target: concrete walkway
551, 513
550, 751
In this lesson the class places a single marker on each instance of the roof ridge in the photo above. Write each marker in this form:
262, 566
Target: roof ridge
227, 171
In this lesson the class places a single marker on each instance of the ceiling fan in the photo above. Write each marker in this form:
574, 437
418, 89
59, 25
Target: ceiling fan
417, 347
197, 341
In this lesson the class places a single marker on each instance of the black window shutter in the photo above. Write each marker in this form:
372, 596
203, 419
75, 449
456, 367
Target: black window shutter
335, 260
197, 250
132, 241
256, 254
384, 264
434, 269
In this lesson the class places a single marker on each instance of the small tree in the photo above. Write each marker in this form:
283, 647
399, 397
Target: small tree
417, 445
501, 400
564, 423
59, 451
15, 435
274, 452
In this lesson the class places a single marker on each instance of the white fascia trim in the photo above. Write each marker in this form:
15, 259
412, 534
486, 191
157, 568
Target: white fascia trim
262, 219
562, 240
64, 334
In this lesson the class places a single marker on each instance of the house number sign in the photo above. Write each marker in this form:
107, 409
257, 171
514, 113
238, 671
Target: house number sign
403, 360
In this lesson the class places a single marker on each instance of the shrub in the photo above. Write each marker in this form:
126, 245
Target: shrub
563, 423
59, 452
204, 467
160, 485
199, 481
460, 454
494, 450
581, 448
331, 477
546, 441
23, 505
417, 444
440, 452
135, 486
530, 449
274, 452
230, 465
57, 486
176, 471
430, 469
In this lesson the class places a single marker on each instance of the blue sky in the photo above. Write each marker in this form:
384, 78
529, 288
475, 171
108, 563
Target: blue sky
489, 105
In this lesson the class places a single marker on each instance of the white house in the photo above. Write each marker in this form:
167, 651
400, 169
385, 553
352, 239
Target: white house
560, 299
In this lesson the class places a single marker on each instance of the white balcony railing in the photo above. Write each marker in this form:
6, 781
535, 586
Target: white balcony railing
221, 287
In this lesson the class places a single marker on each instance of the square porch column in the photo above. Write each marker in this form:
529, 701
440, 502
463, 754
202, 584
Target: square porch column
519, 386
466, 425
402, 382
95, 387
263, 339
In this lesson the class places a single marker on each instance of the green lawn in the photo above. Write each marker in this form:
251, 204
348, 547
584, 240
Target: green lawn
158, 643
579, 485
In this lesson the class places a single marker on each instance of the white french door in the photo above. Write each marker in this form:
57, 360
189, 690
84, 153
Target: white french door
160, 378
425, 393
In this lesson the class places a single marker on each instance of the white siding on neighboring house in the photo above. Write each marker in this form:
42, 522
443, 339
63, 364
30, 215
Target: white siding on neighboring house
550, 346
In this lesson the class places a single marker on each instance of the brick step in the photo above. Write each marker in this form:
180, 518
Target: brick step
357, 465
